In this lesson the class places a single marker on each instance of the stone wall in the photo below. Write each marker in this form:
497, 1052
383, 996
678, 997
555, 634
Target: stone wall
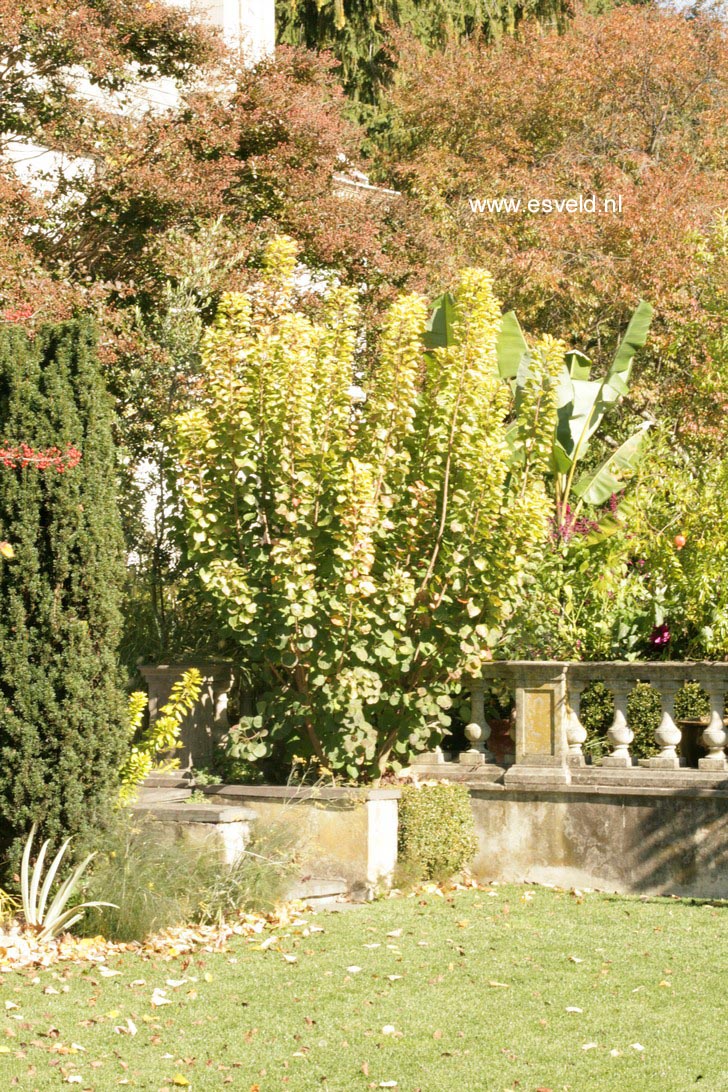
345, 836
637, 837
637, 831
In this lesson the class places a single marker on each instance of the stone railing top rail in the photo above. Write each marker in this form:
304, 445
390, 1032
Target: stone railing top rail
642, 670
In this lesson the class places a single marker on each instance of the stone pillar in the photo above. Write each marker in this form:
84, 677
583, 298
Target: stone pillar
541, 714
478, 731
620, 735
667, 733
575, 731
714, 737
203, 726
541, 723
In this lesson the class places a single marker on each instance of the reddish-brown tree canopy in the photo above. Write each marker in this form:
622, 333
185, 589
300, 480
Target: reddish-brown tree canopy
632, 103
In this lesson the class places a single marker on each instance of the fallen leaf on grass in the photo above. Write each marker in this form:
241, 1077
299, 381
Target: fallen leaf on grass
129, 1029
389, 1029
499, 985
573, 1008
180, 1080
590, 1046
353, 970
158, 998
636, 1046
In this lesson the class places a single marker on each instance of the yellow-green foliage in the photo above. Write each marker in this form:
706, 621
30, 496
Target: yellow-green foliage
161, 735
436, 830
364, 554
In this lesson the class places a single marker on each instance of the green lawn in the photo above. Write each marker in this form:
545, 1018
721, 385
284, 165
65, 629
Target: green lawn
469, 992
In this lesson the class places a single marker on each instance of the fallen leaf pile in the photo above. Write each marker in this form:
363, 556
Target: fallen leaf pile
20, 947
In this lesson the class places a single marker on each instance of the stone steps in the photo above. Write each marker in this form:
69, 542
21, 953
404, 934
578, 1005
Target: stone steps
150, 796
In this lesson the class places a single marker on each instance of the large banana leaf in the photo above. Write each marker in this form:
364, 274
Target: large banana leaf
610, 524
597, 486
578, 364
511, 347
580, 418
615, 383
573, 420
439, 333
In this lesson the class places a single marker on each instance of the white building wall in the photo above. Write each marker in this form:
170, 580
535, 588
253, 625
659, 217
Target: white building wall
246, 24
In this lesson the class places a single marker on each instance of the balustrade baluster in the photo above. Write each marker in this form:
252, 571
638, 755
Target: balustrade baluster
620, 735
478, 731
575, 730
667, 733
714, 737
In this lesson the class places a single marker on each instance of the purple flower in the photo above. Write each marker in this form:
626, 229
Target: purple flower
571, 526
660, 635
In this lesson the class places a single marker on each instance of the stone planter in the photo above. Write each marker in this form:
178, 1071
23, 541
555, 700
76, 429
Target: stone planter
691, 748
203, 726
222, 831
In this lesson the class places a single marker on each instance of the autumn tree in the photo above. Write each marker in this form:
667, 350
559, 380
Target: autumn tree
53, 53
358, 33
630, 105
155, 210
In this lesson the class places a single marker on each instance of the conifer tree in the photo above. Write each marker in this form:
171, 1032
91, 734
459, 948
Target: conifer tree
62, 735
357, 32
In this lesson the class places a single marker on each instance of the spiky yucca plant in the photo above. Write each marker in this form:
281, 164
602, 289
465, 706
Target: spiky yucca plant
58, 917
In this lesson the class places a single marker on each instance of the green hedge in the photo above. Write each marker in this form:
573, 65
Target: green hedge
63, 734
436, 830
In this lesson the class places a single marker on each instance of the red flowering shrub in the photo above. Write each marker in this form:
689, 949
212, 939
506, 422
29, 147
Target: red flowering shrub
51, 458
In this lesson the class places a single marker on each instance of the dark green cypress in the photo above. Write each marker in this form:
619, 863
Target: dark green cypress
355, 31
62, 735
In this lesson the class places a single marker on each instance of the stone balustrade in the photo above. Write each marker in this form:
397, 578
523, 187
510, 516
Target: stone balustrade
548, 729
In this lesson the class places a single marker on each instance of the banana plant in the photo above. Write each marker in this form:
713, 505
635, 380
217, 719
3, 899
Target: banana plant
582, 402
51, 920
